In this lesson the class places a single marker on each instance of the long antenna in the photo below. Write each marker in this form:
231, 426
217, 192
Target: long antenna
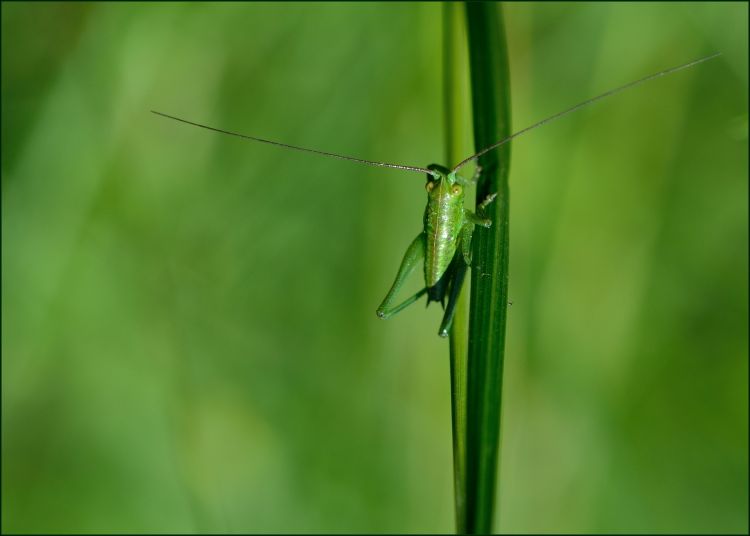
581, 105
324, 153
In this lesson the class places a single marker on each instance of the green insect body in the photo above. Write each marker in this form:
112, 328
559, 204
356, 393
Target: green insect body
444, 244
444, 218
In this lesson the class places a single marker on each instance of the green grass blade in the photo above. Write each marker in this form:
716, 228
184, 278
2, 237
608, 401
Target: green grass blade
457, 144
488, 60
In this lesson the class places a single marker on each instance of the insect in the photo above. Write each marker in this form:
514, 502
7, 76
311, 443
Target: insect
444, 243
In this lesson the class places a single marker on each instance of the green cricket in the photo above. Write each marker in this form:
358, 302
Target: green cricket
444, 243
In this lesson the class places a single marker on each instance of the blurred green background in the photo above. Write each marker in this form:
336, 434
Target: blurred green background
189, 335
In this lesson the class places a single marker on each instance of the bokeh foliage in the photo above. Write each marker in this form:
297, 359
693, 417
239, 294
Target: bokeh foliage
188, 330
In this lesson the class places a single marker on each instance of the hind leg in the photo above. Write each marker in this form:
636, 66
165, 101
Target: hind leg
457, 282
414, 254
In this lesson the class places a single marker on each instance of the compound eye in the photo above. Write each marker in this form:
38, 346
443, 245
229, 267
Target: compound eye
456, 189
429, 186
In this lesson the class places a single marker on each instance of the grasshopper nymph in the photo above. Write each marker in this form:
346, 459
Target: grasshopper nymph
444, 244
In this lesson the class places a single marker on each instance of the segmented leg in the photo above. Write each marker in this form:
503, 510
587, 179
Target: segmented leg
472, 180
466, 233
479, 218
484, 204
413, 256
477, 173
457, 281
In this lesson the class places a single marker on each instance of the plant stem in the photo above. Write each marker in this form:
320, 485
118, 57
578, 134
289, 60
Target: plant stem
455, 83
490, 84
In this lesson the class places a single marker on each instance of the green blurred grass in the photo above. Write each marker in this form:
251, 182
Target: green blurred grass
189, 338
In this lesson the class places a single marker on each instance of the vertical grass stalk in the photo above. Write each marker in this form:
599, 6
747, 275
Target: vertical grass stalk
457, 144
474, 51
490, 95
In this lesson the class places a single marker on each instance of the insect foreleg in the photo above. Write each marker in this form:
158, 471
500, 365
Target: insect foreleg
475, 176
413, 256
484, 204
479, 218
471, 180
473, 219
